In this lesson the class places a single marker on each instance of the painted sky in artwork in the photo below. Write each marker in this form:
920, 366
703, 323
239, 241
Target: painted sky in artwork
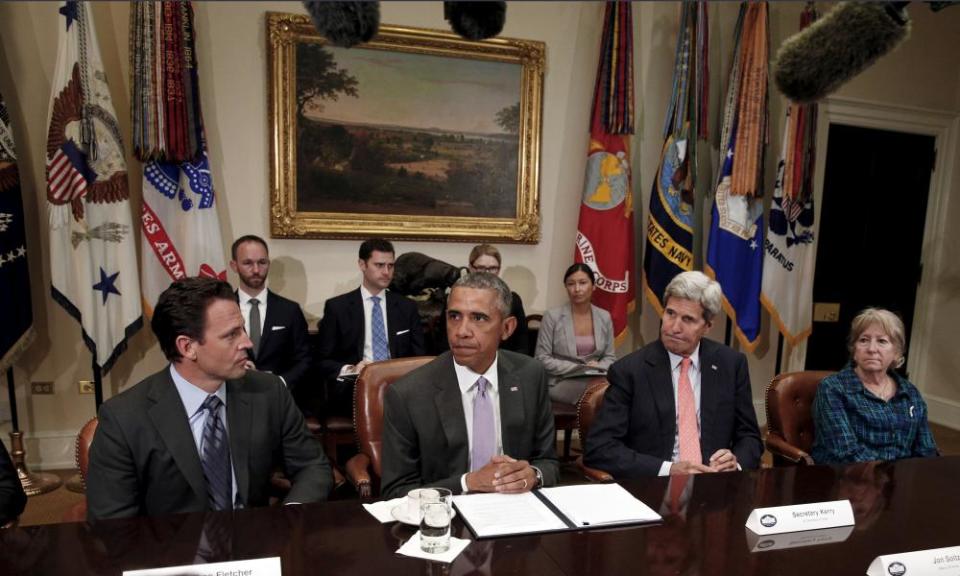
418, 91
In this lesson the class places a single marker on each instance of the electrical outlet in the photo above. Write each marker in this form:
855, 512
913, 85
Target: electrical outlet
86, 386
41, 387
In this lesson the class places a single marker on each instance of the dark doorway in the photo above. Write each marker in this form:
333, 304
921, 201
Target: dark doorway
876, 184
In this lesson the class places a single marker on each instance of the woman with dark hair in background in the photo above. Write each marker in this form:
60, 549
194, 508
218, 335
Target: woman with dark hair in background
576, 339
867, 411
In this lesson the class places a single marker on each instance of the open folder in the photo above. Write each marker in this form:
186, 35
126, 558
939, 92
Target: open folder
557, 509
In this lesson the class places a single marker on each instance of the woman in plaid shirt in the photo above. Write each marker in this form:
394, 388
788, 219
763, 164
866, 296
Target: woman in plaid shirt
867, 411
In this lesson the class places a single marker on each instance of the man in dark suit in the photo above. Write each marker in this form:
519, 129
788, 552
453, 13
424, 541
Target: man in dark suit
682, 404
204, 433
278, 330
367, 324
474, 419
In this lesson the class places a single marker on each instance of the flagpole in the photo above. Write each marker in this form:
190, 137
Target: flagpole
33, 483
97, 385
728, 336
779, 352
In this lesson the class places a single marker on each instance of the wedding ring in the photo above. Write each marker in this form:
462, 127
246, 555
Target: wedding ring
524, 483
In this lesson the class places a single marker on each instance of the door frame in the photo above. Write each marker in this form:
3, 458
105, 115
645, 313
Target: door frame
943, 126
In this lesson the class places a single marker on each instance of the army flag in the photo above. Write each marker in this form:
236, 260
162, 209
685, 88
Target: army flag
17, 331
93, 262
670, 223
735, 243
180, 230
605, 229
790, 250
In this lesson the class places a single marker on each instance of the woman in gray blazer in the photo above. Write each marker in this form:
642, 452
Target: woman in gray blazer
576, 339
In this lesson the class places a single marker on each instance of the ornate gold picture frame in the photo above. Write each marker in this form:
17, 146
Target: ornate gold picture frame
417, 134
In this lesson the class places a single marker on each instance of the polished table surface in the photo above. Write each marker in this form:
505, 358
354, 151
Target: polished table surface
903, 506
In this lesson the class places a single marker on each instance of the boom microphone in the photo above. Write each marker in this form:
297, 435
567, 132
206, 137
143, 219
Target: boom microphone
816, 61
475, 20
345, 24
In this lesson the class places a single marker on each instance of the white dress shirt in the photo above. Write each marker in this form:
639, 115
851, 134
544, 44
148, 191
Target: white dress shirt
193, 398
467, 380
694, 375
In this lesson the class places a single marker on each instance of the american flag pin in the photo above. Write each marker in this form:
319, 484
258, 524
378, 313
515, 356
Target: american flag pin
513, 388
713, 366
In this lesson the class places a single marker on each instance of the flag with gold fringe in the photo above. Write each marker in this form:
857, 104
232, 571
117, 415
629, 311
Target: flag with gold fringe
789, 250
18, 330
670, 223
180, 229
93, 260
735, 244
605, 229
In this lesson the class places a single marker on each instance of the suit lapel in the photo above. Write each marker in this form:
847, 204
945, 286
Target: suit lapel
450, 409
393, 322
357, 319
170, 419
599, 342
709, 392
268, 322
511, 405
239, 420
662, 385
569, 334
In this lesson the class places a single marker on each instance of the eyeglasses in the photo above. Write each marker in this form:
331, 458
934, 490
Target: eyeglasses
490, 269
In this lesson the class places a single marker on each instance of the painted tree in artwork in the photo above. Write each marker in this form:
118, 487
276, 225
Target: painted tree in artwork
319, 78
508, 118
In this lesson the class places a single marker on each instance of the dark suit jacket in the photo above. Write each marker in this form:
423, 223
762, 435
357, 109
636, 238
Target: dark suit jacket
634, 431
342, 330
425, 431
284, 347
144, 461
12, 498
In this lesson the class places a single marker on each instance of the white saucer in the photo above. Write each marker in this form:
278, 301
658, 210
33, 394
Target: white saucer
399, 513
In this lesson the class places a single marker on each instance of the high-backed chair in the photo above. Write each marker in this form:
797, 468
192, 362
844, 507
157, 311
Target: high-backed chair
81, 455
363, 469
587, 408
790, 430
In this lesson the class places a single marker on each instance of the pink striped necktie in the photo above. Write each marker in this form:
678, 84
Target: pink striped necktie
688, 431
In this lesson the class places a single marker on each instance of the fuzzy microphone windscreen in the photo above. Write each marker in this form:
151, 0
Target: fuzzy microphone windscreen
476, 20
345, 24
813, 63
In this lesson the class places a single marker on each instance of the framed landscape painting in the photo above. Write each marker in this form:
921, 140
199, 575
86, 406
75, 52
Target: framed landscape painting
417, 134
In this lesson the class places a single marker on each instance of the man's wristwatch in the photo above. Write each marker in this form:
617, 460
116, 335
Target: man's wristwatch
539, 481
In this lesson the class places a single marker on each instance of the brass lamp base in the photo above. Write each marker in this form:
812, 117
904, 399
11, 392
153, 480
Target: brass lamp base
33, 483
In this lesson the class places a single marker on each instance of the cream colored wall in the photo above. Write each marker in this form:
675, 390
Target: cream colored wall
231, 46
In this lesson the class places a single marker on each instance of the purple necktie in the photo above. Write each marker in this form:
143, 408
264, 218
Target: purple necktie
484, 436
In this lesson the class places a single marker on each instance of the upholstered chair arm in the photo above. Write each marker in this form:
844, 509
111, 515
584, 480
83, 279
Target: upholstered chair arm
358, 470
780, 447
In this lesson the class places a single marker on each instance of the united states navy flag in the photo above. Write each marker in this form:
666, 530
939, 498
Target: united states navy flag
17, 330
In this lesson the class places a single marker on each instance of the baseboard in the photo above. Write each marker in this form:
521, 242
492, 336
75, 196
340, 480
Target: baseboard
943, 411
51, 450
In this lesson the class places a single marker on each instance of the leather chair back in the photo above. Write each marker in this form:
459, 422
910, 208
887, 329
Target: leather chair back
789, 400
533, 332
82, 448
589, 405
368, 403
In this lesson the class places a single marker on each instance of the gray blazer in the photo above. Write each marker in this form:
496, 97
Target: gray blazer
557, 344
425, 431
144, 461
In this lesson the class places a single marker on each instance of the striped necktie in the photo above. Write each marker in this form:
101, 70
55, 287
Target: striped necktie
216, 457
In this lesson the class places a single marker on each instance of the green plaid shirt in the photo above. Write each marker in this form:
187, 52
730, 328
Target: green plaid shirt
853, 425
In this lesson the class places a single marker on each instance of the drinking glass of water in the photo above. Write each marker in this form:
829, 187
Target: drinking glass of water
435, 508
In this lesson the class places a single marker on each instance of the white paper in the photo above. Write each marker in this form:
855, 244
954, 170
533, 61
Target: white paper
381, 510
502, 514
599, 504
936, 561
412, 549
258, 567
758, 543
800, 517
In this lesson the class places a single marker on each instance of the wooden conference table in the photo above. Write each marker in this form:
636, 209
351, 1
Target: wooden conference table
903, 506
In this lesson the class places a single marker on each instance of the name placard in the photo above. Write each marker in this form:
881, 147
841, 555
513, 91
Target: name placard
257, 567
799, 517
758, 543
937, 561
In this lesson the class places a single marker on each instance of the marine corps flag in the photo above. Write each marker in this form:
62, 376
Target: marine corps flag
180, 230
93, 262
735, 245
605, 229
789, 250
17, 330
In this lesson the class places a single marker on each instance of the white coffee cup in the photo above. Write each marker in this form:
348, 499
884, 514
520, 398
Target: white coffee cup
413, 501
